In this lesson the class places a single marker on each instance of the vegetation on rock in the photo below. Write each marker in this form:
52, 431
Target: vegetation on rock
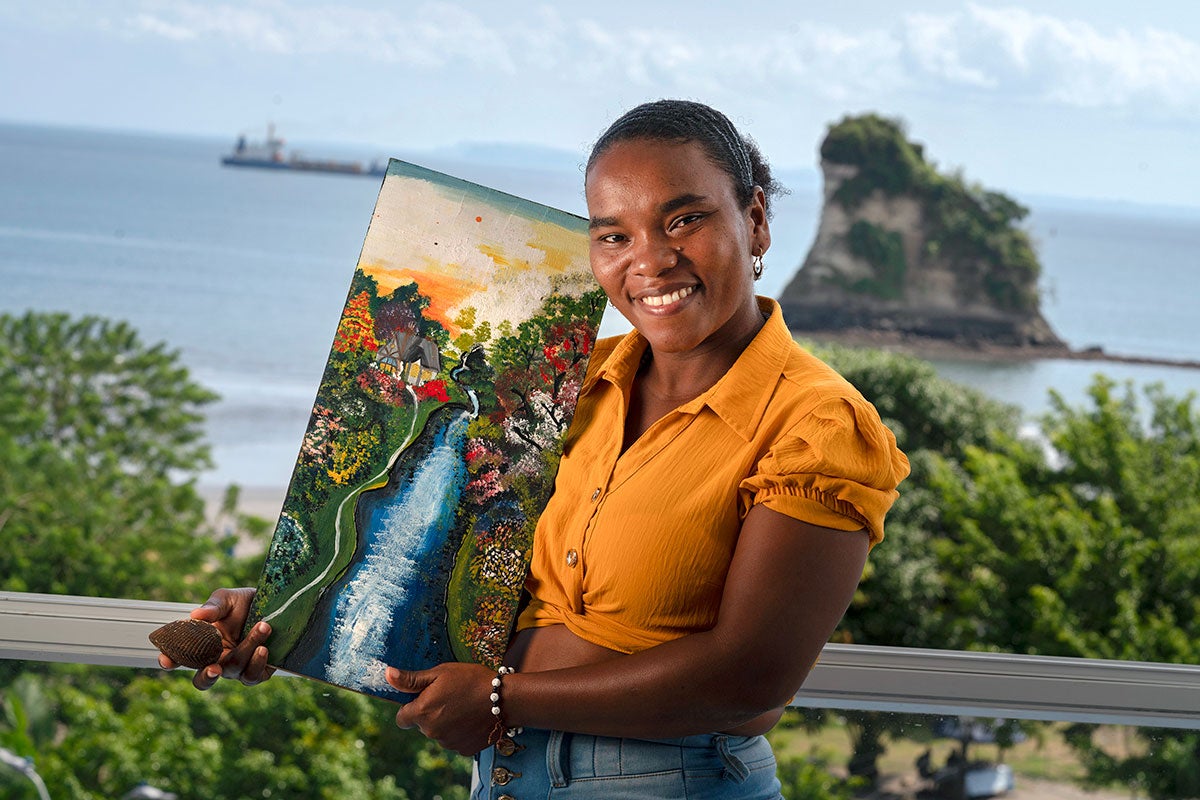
971, 228
884, 251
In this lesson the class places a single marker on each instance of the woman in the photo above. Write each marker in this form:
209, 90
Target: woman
718, 494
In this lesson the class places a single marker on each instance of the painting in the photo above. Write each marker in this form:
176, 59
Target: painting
435, 436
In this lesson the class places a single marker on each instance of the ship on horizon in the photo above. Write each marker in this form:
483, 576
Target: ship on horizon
269, 154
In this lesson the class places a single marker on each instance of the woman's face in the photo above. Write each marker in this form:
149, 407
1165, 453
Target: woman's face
672, 246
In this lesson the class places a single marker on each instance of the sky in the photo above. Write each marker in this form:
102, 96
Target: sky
1095, 99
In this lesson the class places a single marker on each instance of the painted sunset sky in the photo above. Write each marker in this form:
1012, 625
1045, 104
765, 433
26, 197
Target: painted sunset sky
530, 250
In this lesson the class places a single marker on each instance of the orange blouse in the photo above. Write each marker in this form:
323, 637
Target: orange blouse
632, 549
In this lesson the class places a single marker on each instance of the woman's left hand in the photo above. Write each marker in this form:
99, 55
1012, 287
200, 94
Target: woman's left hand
452, 705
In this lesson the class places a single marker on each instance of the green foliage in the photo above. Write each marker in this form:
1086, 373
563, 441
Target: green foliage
1169, 770
101, 397
1083, 542
804, 778
880, 149
972, 228
288, 738
884, 251
101, 439
1091, 554
978, 230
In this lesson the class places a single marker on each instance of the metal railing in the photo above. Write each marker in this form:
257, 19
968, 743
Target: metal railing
113, 632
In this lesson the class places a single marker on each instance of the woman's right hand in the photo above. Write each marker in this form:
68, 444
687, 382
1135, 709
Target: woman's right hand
241, 659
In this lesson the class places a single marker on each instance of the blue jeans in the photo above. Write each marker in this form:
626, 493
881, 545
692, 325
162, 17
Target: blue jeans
572, 766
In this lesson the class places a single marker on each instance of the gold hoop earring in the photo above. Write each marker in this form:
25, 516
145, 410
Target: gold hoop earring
757, 265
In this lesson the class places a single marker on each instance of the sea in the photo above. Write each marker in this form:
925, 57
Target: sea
244, 272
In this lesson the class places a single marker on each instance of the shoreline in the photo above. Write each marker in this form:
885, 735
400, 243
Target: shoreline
943, 349
257, 501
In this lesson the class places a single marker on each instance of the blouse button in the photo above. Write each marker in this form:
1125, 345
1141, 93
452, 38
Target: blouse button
572, 558
507, 797
595, 494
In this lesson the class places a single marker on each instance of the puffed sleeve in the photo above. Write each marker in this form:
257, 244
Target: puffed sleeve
838, 467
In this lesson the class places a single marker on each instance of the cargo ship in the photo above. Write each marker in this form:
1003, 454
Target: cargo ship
269, 154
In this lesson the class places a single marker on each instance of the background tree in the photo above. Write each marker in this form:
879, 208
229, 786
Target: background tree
1080, 540
101, 441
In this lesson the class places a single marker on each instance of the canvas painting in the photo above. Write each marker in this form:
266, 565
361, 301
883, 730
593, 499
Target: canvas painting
436, 433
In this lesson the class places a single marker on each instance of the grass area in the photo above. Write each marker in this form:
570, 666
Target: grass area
1044, 754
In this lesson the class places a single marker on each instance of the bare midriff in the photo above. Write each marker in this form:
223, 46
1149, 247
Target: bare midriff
556, 647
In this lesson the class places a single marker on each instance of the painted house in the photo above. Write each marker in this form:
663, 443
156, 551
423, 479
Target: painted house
412, 358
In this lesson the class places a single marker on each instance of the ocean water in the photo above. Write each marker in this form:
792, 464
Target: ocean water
244, 272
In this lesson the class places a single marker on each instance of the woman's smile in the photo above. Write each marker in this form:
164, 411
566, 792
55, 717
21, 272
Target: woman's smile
671, 245
668, 300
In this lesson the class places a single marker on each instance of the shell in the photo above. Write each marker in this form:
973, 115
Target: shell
188, 642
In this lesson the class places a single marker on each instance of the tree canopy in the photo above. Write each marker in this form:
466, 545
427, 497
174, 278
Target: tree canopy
1080, 538
101, 440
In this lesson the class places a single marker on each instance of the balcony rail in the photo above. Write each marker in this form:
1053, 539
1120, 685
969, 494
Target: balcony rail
113, 632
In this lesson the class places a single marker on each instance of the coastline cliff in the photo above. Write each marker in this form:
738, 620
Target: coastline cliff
906, 253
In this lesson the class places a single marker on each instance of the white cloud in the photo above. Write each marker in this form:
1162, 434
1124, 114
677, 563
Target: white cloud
1007, 53
436, 34
236, 26
157, 27
1035, 56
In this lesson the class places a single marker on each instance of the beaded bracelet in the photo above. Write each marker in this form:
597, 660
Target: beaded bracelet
496, 682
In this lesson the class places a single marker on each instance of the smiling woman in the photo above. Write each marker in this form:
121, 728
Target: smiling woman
719, 491
672, 247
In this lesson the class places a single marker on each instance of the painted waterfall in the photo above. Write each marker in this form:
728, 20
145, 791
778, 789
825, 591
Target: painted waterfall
435, 436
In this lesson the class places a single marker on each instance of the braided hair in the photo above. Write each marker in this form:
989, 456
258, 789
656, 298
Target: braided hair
683, 121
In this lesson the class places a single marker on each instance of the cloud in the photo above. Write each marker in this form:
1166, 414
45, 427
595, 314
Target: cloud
434, 35
1007, 53
1039, 57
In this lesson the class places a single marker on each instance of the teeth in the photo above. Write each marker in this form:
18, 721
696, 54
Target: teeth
659, 300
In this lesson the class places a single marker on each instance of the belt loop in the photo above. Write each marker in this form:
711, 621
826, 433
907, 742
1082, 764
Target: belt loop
558, 747
735, 769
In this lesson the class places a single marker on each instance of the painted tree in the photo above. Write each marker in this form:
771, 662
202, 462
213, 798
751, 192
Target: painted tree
356, 331
541, 366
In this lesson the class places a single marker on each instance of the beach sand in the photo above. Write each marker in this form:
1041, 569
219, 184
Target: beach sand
257, 501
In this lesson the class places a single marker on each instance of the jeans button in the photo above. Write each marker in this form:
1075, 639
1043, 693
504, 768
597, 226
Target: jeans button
501, 776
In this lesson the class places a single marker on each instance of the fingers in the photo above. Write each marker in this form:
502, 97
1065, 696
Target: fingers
404, 718
206, 677
227, 609
246, 661
410, 681
450, 706
257, 670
